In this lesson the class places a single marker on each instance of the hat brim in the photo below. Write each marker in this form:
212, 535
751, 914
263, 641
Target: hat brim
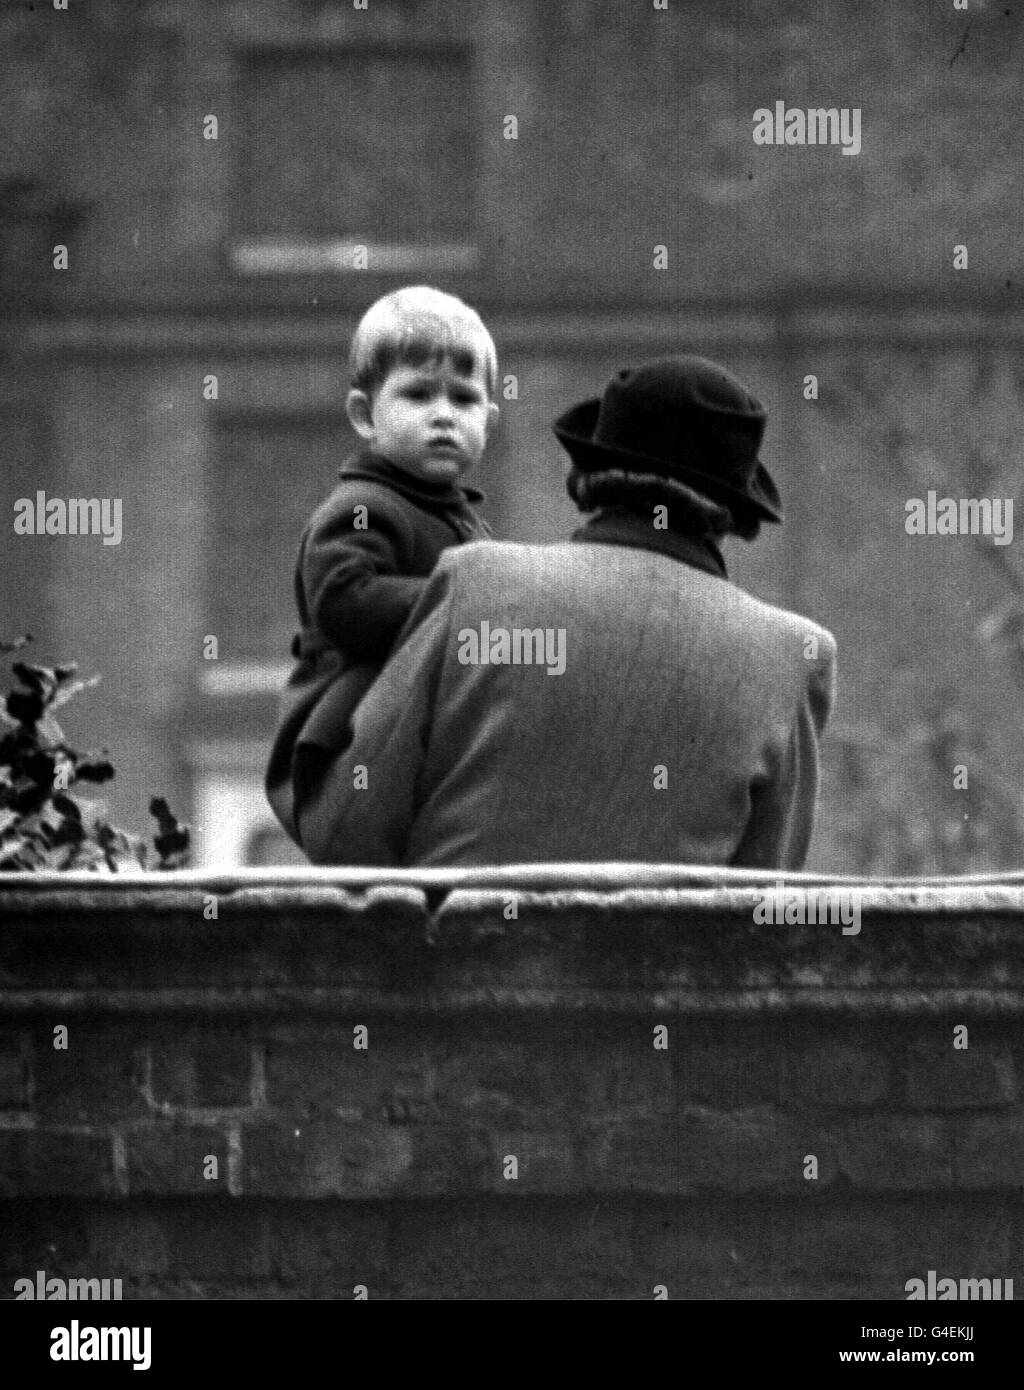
575, 429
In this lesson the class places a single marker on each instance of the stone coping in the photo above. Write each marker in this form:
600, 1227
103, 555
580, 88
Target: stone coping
595, 877
605, 938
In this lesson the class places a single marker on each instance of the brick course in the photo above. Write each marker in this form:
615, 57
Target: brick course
387, 1166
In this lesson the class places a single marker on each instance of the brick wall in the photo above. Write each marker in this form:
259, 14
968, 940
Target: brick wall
490, 1038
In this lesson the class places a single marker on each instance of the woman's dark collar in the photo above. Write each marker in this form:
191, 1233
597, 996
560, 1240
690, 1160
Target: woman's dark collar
619, 527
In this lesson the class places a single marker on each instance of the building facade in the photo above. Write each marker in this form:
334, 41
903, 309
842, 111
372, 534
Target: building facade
233, 183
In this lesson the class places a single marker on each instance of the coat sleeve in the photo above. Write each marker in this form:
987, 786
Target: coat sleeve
345, 823
778, 832
355, 590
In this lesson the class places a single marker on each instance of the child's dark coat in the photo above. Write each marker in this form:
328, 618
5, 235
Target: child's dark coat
355, 588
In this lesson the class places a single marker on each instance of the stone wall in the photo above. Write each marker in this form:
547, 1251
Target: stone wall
509, 1014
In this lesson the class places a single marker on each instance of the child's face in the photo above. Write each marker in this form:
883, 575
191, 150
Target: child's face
431, 421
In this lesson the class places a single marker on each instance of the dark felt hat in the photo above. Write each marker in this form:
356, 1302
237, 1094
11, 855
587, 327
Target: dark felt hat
679, 417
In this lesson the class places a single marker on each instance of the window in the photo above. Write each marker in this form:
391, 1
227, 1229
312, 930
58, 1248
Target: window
356, 147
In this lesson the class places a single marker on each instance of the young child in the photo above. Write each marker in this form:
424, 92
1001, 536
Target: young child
423, 379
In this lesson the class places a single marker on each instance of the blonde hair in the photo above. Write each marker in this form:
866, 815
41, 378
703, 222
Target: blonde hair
415, 326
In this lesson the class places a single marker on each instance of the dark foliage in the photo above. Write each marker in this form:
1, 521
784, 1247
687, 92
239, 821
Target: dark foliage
44, 825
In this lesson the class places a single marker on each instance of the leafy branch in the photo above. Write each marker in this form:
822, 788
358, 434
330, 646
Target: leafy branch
44, 826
